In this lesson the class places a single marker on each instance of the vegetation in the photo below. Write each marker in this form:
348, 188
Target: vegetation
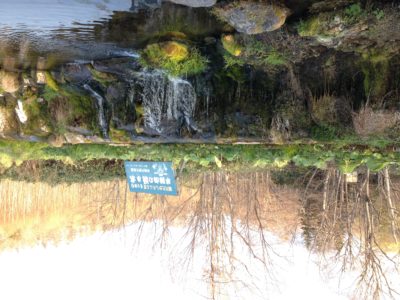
203, 156
231, 45
310, 27
353, 13
175, 58
249, 50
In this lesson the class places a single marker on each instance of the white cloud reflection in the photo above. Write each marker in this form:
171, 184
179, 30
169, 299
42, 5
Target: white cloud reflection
105, 266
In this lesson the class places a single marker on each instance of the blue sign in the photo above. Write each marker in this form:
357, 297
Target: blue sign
151, 177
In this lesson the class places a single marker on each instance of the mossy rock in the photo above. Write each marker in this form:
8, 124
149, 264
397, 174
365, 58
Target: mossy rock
252, 17
176, 58
175, 51
231, 45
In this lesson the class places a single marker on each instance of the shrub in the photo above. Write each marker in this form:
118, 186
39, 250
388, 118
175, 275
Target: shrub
310, 27
368, 122
353, 13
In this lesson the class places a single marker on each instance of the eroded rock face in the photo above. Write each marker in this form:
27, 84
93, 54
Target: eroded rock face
8, 122
253, 17
195, 3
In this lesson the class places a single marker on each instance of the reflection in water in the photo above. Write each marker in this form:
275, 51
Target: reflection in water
86, 30
235, 220
41, 17
358, 220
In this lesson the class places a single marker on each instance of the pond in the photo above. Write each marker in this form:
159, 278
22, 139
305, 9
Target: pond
281, 121
226, 235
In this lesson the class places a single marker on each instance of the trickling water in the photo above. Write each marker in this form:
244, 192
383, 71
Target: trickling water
165, 99
100, 109
21, 112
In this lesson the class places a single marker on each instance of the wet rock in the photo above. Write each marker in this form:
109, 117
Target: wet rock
79, 130
138, 5
253, 17
76, 73
9, 81
195, 3
120, 96
95, 139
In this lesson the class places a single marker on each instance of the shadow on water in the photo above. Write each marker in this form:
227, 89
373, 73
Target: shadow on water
350, 221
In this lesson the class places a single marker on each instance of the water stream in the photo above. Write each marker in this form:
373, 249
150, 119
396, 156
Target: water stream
103, 124
168, 102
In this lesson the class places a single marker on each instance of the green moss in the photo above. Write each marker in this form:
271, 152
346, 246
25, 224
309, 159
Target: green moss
69, 107
375, 68
50, 82
175, 63
231, 45
353, 13
119, 135
255, 52
49, 94
82, 112
310, 27
103, 78
232, 61
274, 58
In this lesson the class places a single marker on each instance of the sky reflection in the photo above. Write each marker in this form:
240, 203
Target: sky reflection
44, 15
109, 266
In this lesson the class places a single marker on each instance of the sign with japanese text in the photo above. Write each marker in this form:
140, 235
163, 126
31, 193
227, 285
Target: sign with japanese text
151, 177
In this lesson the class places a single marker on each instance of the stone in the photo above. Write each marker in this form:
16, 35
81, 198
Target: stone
195, 3
175, 51
74, 138
253, 17
9, 81
41, 77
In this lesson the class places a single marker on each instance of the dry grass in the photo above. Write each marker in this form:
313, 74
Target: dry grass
369, 122
38, 212
328, 110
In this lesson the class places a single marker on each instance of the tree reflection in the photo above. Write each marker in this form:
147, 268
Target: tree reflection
351, 219
235, 220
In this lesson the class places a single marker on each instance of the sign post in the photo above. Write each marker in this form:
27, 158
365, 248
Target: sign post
151, 177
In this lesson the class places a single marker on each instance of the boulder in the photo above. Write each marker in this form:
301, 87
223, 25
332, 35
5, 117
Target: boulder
253, 17
9, 81
175, 51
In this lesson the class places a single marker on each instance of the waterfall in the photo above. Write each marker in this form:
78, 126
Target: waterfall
22, 117
100, 109
165, 100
